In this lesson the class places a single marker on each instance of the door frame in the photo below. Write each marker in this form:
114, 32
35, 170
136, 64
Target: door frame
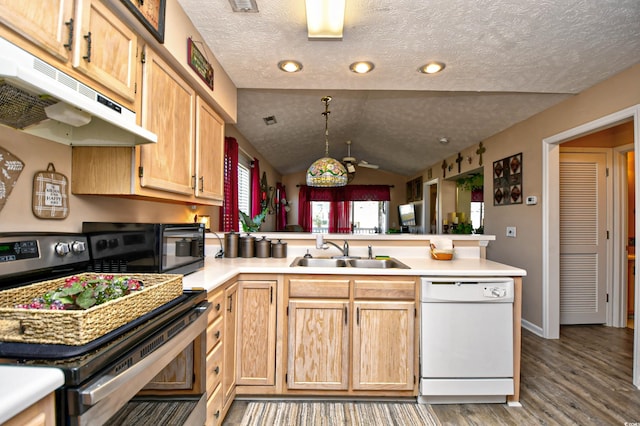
551, 226
426, 214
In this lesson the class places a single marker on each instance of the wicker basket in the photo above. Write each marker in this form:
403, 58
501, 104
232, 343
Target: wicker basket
77, 327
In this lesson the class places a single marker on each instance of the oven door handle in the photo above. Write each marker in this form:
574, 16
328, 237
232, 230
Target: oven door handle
145, 370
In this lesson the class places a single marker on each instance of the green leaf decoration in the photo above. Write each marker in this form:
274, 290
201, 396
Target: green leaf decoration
85, 299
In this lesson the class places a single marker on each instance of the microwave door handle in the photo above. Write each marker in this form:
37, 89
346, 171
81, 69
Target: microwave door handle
145, 370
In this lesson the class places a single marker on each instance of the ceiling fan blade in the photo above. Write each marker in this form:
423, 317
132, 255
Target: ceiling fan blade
368, 165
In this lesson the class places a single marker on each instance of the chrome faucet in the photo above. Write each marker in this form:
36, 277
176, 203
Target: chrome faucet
321, 244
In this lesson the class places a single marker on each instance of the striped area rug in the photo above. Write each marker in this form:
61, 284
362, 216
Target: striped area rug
338, 414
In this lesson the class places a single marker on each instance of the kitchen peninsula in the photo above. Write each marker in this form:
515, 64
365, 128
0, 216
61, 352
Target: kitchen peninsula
263, 309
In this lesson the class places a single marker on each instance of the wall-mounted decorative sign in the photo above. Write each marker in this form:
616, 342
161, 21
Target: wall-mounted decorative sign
10, 168
151, 14
50, 194
199, 63
507, 181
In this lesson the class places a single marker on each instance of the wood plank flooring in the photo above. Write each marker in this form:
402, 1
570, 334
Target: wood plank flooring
583, 378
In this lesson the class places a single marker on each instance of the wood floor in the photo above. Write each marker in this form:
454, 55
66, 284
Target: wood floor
583, 378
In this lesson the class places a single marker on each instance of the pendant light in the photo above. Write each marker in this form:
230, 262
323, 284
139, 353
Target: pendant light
326, 171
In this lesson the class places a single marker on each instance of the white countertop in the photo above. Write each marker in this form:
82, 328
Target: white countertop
21, 387
217, 271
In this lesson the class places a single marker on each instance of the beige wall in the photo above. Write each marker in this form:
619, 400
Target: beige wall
363, 176
612, 95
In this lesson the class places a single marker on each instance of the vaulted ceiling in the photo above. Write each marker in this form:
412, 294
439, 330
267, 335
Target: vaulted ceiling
506, 60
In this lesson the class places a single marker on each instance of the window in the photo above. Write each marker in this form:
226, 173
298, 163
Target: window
367, 217
244, 186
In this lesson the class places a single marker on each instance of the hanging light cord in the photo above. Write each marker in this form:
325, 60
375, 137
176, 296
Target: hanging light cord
326, 113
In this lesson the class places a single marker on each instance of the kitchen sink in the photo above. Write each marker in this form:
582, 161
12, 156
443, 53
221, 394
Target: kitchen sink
324, 262
377, 263
319, 262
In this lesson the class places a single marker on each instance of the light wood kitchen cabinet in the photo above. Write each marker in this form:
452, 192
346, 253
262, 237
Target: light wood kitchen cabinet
209, 160
355, 334
318, 344
214, 359
81, 37
42, 413
168, 110
185, 165
229, 347
256, 343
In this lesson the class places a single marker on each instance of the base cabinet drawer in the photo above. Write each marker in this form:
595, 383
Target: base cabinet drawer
214, 408
214, 369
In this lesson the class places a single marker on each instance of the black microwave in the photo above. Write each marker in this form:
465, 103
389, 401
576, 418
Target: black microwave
172, 248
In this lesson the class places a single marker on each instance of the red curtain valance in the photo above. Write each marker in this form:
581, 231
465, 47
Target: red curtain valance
347, 193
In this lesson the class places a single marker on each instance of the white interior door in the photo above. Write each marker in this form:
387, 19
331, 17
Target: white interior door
583, 238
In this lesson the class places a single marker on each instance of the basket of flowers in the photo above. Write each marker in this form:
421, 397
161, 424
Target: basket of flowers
78, 309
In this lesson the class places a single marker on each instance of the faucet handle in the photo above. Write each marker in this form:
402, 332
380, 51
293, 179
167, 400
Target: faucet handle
370, 249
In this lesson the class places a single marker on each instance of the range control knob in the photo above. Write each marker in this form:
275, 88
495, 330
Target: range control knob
78, 246
62, 249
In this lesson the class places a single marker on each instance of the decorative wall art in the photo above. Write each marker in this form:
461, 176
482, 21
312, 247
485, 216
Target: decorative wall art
50, 199
199, 63
507, 181
10, 168
151, 14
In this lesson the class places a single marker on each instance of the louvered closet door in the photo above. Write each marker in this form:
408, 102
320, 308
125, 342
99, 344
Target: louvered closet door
583, 201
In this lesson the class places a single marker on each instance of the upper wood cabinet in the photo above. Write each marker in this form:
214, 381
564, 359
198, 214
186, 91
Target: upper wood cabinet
47, 24
209, 165
81, 38
105, 49
168, 110
185, 165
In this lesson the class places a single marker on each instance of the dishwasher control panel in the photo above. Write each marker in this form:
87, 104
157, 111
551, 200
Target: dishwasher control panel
467, 289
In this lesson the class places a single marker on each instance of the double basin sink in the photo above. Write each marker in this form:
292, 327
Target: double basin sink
325, 262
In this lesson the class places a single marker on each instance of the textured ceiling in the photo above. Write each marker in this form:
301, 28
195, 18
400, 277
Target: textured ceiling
506, 60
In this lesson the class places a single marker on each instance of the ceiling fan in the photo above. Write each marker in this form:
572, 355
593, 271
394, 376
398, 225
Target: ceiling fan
351, 162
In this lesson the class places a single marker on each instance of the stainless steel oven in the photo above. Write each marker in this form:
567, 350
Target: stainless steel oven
103, 377
145, 247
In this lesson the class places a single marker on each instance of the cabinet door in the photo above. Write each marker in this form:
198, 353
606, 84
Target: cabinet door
168, 106
383, 345
105, 48
209, 153
46, 23
229, 343
318, 345
177, 375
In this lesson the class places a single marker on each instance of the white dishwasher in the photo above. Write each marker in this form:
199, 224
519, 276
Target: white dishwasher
466, 340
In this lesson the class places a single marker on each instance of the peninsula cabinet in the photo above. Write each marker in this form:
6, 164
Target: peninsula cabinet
82, 38
40, 413
256, 343
354, 335
185, 165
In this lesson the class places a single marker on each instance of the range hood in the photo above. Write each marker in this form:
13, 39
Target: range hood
43, 101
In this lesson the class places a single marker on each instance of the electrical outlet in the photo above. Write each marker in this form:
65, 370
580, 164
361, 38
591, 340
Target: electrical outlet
511, 231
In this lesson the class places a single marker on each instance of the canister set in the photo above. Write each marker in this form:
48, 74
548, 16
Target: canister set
248, 246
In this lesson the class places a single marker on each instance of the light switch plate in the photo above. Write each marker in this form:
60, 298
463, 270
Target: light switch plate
511, 231
531, 200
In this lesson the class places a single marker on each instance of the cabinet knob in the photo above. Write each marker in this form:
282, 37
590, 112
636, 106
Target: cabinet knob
218, 307
216, 370
217, 334
216, 414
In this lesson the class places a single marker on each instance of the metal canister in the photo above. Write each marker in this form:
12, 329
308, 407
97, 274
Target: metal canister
231, 244
279, 249
247, 246
263, 247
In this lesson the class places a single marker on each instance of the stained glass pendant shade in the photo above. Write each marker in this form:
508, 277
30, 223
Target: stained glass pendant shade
326, 171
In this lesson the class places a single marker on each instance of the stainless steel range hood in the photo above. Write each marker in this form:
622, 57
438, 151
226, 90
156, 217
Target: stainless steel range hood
43, 101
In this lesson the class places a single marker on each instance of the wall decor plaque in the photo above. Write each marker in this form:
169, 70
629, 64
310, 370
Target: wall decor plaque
507, 181
151, 14
10, 168
50, 198
199, 63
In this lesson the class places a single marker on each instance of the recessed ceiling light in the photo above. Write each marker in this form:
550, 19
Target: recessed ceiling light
443, 141
432, 67
362, 67
290, 66
247, 6
270, 120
